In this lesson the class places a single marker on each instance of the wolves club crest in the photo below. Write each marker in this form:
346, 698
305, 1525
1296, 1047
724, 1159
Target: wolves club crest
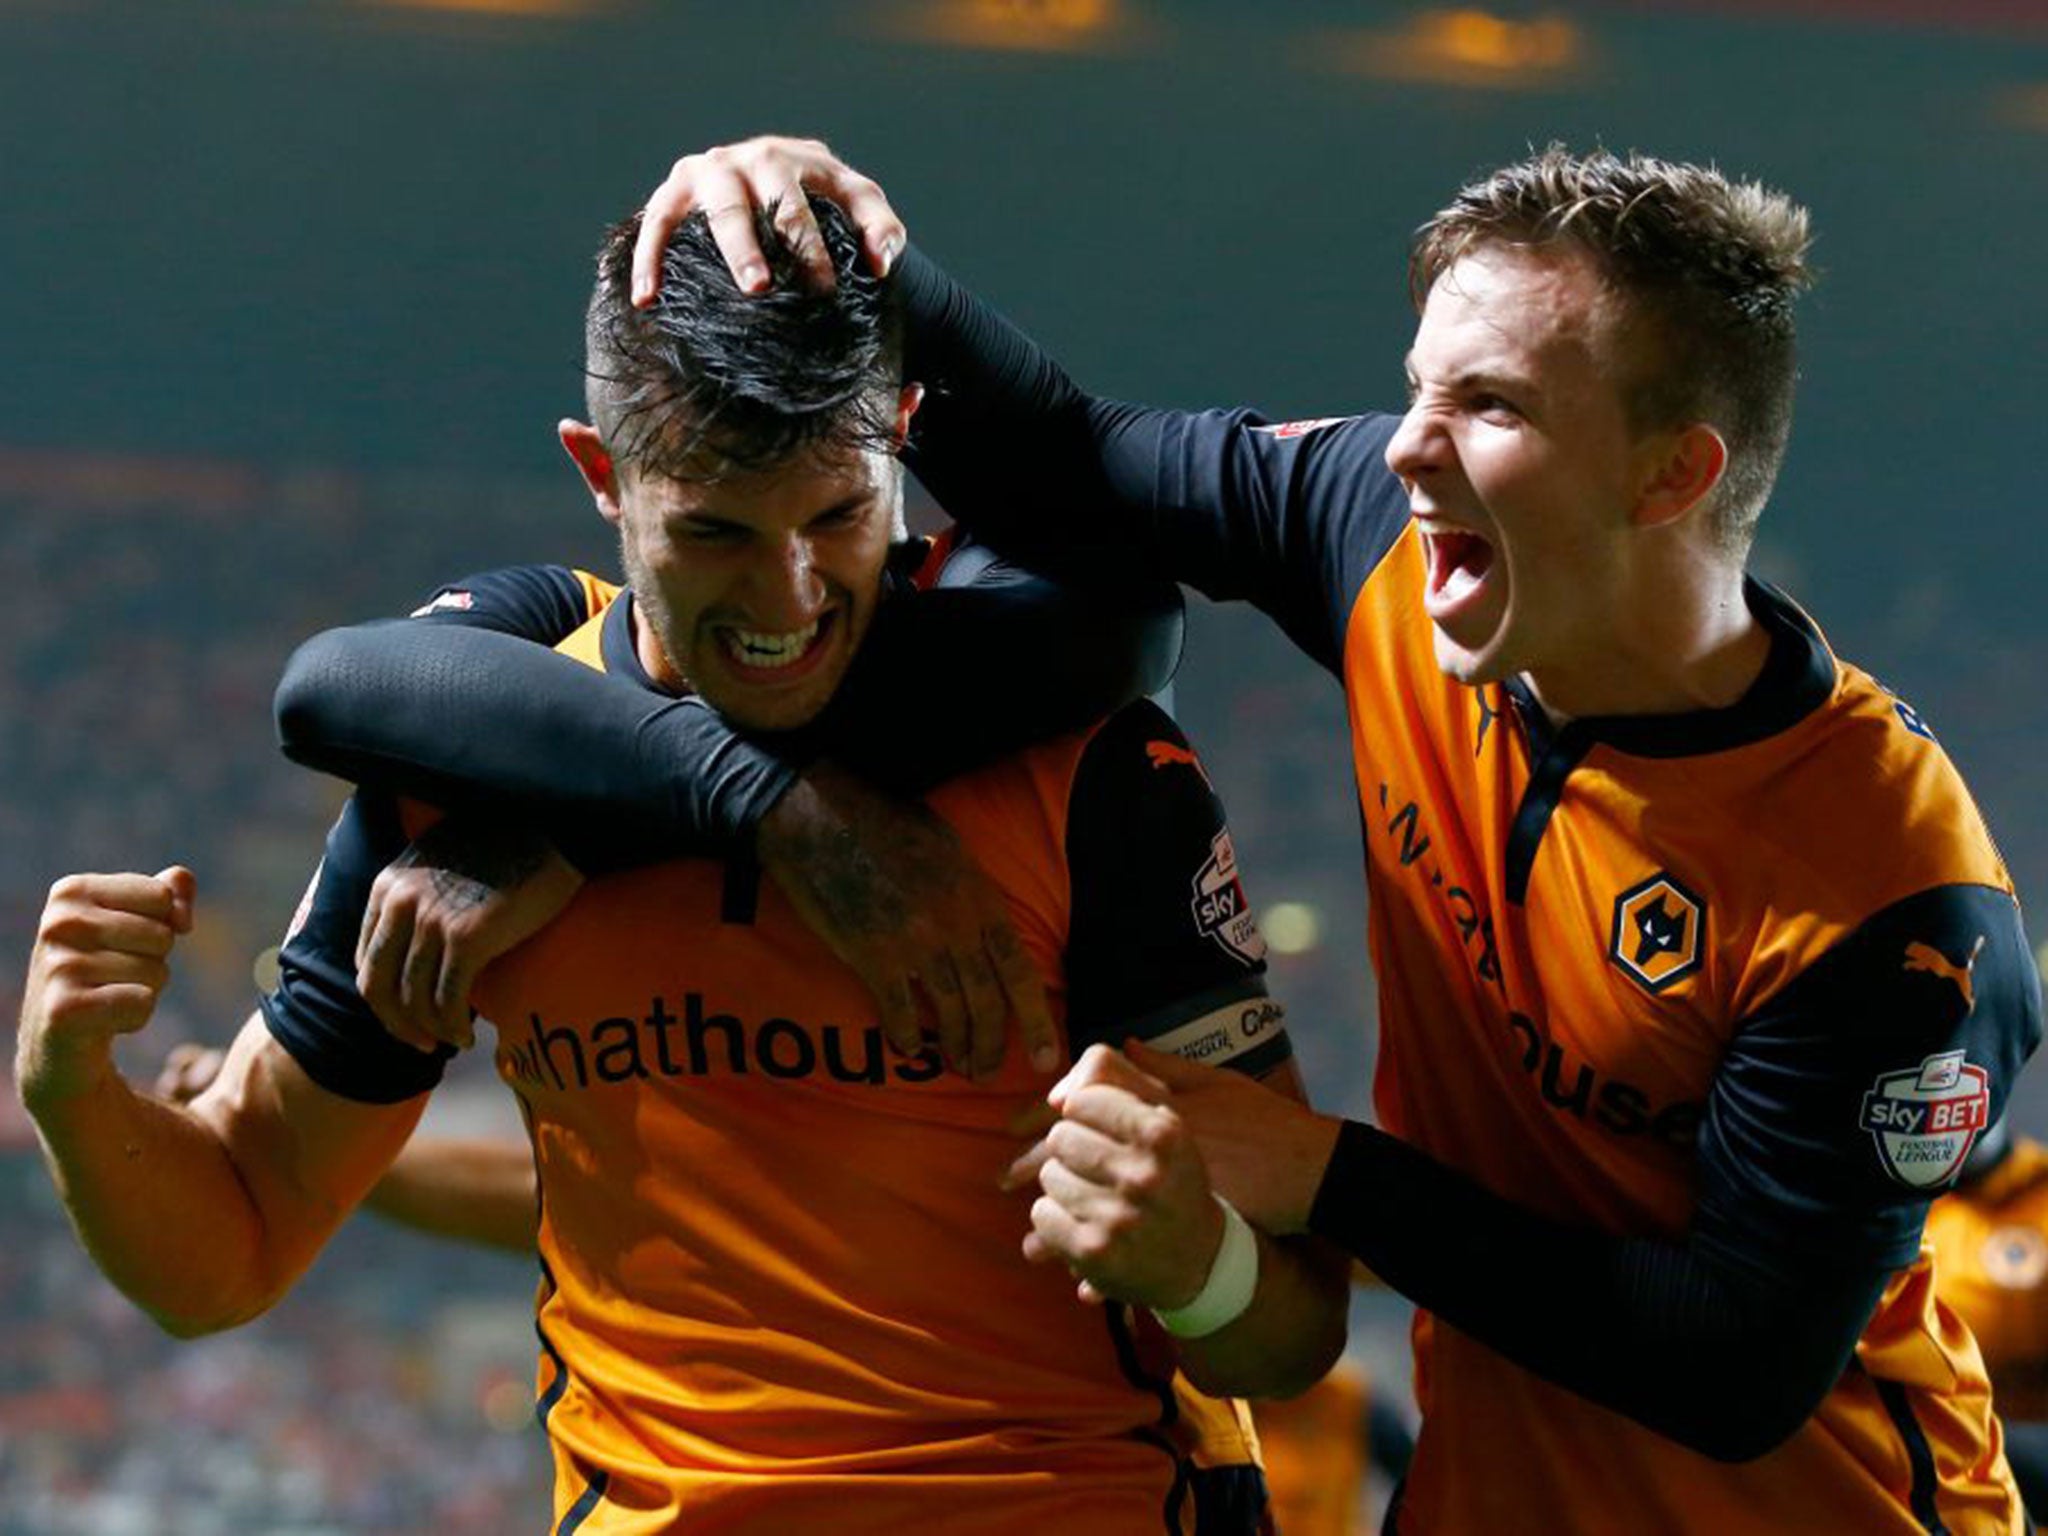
1658, 933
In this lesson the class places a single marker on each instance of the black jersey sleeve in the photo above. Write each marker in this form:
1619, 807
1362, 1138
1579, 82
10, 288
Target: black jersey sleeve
2026, 1448
1389, 1442
1850, 1099
476, 718
1162, 945
461, 713
1839, 1112
454, 706
1290, 516
315, 1012
546, 603
993, 656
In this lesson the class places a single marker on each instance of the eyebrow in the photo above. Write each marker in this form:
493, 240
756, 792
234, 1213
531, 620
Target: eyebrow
707, 517
849, 503
1480, 379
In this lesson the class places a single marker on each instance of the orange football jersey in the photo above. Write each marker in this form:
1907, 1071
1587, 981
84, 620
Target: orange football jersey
781, 1289
1712, 1002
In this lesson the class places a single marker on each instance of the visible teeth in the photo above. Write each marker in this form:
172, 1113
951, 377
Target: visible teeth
761, 650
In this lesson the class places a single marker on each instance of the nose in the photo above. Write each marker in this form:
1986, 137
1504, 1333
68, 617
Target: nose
1416, 447
789, 592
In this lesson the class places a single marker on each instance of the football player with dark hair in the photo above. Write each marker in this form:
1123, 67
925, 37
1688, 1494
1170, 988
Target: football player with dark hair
781, 1287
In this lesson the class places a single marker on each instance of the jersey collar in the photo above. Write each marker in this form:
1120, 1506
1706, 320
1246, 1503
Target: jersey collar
1798, 676
615, 645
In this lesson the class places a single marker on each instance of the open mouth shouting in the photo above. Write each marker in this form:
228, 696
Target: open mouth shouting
1459, 563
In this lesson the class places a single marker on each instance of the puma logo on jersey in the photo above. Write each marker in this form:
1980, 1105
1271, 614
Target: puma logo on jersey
1925, 957
1166, 754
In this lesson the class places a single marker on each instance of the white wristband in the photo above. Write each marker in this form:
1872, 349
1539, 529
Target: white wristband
1233, 1281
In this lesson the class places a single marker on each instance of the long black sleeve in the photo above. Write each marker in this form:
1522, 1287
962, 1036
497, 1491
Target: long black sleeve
461, 710
1289, 516
477, 718
1798, 1220
2026, 1447
1662, 1332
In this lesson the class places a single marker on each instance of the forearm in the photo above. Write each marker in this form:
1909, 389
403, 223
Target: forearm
477, 1191
1290, 1335
471, 717
1654, 1330
1005, 440
159, 1205
617, 775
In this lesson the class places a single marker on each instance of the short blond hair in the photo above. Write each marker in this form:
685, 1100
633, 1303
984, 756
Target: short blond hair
1710, 265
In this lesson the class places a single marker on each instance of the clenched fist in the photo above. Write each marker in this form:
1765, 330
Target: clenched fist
100, 962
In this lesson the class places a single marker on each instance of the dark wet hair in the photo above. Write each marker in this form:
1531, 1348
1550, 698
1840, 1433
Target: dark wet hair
710, 382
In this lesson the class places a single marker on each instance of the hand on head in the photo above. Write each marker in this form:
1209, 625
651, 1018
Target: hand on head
728, 184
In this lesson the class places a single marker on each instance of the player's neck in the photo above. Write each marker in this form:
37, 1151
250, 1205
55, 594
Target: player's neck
1683, 648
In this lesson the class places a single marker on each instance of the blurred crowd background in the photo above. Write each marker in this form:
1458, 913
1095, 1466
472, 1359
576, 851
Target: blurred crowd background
292, 302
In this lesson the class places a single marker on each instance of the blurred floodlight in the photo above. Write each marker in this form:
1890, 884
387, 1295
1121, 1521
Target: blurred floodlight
507, 1405
1291, 927
1463, 46
498, 7
1028, 26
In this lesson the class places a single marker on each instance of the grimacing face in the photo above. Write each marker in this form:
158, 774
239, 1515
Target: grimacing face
1522, 473
755, 592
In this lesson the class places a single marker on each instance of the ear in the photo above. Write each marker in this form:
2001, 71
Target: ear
907, 402
582, 443
1681, 471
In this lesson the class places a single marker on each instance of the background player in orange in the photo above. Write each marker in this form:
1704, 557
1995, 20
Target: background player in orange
1333, 1454
1699, 973
781, 1289
1990, 1241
